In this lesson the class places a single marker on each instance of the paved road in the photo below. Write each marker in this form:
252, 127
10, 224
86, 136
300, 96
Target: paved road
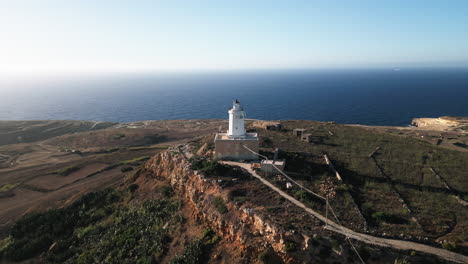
384, 242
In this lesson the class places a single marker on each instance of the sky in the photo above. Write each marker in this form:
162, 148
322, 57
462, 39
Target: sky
39, 36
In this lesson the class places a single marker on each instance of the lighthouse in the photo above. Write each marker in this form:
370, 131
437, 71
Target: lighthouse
236, 121
236, 144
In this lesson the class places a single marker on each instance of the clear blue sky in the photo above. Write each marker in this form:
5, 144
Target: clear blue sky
134, 35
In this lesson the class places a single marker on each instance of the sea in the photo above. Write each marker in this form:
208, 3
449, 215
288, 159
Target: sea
351, 96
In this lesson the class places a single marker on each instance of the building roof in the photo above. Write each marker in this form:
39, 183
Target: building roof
276, 162
225, 136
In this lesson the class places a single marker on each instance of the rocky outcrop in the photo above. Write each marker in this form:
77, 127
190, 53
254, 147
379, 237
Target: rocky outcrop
438, 124
241, 226
246, 228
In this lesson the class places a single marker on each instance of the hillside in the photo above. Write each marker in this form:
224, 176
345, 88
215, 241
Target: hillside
174, 205
12, 132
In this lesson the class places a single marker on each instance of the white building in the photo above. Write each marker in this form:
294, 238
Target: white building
235, 144
236, 121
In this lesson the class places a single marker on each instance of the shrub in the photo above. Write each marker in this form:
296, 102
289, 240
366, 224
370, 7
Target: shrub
192, 254
401, 261
263, 256
207, 233
7, 187
68, 170
34, 233
126, 169
209, 167
119, 136
166, 190
381, 216
220, 205
449, 245
462, 145
133, 187
135, 161
290, 246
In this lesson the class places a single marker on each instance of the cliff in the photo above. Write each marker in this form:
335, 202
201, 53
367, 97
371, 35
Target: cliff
445, 123
244, 226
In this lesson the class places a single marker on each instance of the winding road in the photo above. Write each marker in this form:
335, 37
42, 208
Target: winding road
335, 227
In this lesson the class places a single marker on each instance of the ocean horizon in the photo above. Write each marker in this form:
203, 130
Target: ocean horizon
359, 96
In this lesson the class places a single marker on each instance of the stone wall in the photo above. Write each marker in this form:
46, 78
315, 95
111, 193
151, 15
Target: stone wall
233, 149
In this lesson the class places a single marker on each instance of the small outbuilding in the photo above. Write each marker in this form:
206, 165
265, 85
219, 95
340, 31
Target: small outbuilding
306, 138
275, 126
298, 132
268, 166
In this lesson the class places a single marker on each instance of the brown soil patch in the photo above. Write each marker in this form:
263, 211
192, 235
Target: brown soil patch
55, 181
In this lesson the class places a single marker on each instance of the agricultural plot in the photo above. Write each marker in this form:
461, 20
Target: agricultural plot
396, 190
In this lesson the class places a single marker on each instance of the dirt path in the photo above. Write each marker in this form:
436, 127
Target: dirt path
383, 242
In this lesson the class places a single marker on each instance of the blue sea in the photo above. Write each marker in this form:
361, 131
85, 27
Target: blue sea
359, 96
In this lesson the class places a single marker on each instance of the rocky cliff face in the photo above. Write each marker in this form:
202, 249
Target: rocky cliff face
240, 225
248, 228
438, 124
245, 228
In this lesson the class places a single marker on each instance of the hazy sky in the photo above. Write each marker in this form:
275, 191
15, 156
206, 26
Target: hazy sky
133, 35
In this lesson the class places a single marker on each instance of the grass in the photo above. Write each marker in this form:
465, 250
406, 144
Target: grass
290, 246
462, 145
146, 148
220, 205
97, 228
135, 160
209, 167
118, 136
68, 170
7, 187
196, 251
404, 160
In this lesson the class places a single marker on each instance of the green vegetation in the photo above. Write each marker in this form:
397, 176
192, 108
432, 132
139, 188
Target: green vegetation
193, 253
209, 167
135, 161
237, 195
263, 256
147, 147
290, 246
35, 233
196, 251
379, 188
133, 187
94, 229
126, 169
401, 261
166, 190
5, 243
7, 187
118, 136
449, 245
381, 216
220, 205
462, 145
268, 256
67, 171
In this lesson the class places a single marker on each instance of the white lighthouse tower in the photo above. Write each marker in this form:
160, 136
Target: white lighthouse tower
236, 144
236, 121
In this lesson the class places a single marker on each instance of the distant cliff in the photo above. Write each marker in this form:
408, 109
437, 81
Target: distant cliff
445, 123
